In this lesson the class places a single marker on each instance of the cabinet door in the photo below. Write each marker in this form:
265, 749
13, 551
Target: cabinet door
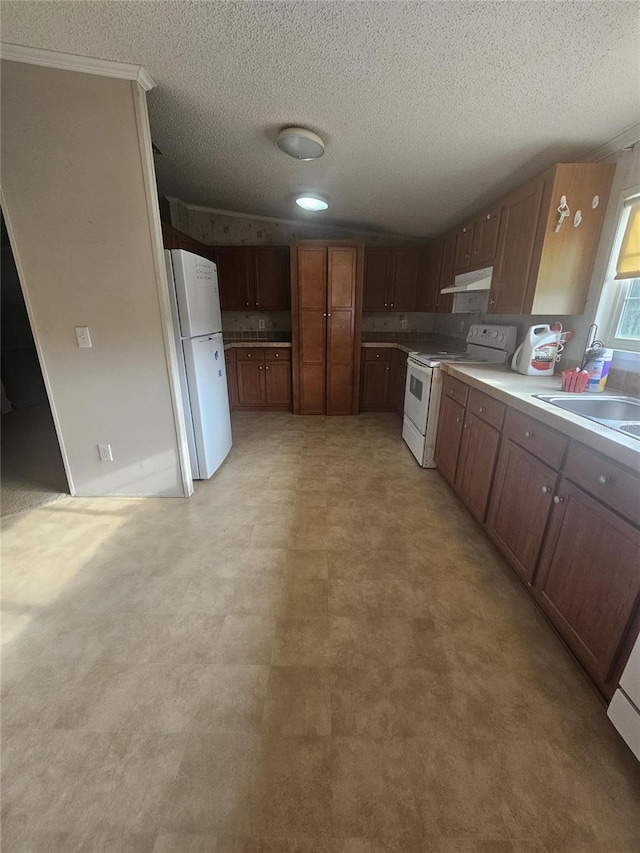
278, 383
375, 386
404, 279
251, 383
485, 238
446, 273
311, 298
429, 277
232, 379
448, 438
589, 578
519, 507
341, 325
377, 276
233, 279
513, 268
464, 243
270, 268
478, 452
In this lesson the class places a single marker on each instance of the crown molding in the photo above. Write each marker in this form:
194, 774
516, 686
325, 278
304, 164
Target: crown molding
625, 139
72, 62
199, 208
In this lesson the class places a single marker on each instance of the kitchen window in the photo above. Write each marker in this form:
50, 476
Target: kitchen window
619, 310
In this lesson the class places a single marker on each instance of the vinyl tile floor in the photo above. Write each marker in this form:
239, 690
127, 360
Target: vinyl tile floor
318, 652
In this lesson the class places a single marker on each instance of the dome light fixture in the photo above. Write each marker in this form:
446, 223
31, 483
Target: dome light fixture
309, 202
300, 143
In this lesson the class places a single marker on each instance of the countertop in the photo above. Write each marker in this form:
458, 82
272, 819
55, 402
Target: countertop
236, 344
516, 390
405, 346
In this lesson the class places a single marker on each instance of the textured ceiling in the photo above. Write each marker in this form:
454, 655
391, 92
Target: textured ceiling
429, 109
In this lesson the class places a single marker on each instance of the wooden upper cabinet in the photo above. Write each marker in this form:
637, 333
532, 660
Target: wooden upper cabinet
377, 272
271, 277
233, 279
516, 246
464, 245
485, 238
540, 268
429, 276
253, 278
391, 279
404, 279
445, 302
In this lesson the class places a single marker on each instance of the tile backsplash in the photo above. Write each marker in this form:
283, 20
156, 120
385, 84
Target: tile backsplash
245, 325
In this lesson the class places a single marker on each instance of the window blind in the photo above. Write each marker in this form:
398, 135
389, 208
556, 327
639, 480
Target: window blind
628, 265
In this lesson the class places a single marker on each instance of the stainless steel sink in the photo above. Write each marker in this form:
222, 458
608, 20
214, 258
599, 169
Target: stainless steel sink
619, 413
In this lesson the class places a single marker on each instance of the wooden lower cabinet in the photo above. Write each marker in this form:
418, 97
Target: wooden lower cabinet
588, 581
259, 378
520, 502
252, 389
476, 463
374, 386
398, 381
449, 436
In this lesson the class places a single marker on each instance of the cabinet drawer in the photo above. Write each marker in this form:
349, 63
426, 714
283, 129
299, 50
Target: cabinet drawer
455, 390
375, 354
249, 353
486, 408
617, 487
543, 442
277, 354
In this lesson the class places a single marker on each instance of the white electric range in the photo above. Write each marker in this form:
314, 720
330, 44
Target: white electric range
490, 344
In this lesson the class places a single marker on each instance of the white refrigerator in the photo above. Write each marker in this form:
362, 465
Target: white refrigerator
197, 324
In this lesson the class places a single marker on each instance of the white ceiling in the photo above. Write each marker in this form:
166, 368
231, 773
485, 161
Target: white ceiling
429, 109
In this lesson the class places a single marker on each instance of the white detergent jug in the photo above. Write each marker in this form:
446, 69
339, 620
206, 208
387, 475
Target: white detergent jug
536, 355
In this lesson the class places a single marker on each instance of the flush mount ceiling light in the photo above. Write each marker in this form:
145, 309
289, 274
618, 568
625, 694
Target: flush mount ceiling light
300, 143
309, 202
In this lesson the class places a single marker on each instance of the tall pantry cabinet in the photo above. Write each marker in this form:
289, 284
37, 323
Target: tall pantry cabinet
326, 301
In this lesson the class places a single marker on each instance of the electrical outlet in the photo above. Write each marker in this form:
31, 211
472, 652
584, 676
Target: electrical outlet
261, 325
403, 323
104, 452
83, 337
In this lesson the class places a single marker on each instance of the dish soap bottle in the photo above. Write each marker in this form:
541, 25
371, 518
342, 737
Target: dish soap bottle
536, 355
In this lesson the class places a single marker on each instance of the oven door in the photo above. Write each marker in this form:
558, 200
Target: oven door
417, 393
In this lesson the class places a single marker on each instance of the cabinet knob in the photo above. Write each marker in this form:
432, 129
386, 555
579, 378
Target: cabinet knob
248, 355
329, 314
546, 490
377, 355
466, 426
385, 305
482, 409
492, 302
488, 216
604, 479
528, 434
458, 420
558, 500
277, 354
391, 304
259, 367
257, 303
267, 367
387, 368
247, 304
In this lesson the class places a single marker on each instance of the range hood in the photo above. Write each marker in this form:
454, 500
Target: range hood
467, 281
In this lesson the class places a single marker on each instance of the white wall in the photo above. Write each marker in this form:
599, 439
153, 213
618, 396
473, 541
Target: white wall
84, 235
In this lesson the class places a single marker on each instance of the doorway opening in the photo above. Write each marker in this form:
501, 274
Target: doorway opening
31, 468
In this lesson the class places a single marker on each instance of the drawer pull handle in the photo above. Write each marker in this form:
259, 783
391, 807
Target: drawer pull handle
604, 479
247, 304
466, 426
458, 420
248, 355
558, 500
546, 490
391, 304
377, 355
260, 367
528, 434
277, 354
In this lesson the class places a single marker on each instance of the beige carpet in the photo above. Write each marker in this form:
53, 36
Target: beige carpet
317, 653
32, 473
